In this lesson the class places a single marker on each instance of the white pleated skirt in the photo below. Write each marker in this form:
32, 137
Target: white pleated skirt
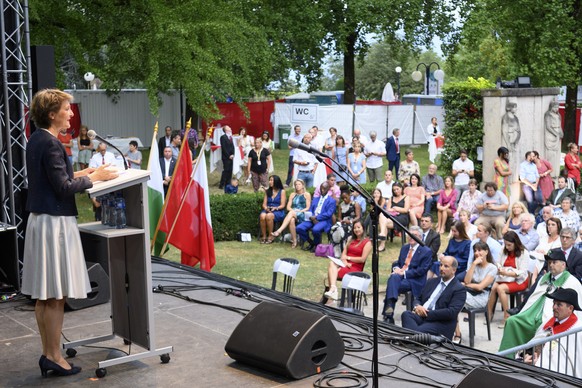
54, 263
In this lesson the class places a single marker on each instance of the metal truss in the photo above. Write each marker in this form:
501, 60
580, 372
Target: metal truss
15, 95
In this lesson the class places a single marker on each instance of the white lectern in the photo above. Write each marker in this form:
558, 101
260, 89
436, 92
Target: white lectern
125, 255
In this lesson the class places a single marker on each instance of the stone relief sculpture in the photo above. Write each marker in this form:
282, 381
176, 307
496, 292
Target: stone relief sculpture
553, 133
510, 128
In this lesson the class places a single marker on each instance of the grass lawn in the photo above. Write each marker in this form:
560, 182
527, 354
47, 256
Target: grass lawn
253, 262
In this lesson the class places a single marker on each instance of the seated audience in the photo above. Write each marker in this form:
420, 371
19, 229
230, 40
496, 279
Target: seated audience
298, 204
273, 208
408, 273
348, 213
553, 356
446, 205
232, 187
478, 280
416, 193
433, 184
441, 301
459, 246
527, 234
381, 202
408, 167
430, 238
547, 213
464, 217
514, 218
397, 207
550, 241
569, 216
512, 274
318, 220
386, 185
492, 205
573, 254
555, 199
334, 189
468, 201
484, 235
521, 328
353, 257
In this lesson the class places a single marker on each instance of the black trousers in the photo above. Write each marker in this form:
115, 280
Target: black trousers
226, 172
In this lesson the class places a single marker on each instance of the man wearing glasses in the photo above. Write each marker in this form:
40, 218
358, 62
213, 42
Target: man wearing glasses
573, 255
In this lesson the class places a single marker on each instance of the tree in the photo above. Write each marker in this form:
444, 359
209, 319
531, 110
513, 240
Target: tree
542, 38
205, 47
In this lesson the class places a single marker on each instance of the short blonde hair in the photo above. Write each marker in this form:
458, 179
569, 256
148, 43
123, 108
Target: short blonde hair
47, 101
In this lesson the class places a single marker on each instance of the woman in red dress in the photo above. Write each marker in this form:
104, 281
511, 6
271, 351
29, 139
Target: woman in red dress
353, 257
573, 164
511, 275
545, 170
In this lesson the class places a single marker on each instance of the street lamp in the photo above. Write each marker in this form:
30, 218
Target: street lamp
439, 75
398, 70
89, 77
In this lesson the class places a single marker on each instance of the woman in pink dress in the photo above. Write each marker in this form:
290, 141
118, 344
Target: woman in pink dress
545, 170
417, 194
446, 204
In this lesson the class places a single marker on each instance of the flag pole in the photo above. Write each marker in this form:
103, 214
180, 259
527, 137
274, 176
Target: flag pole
169, 234
188, 125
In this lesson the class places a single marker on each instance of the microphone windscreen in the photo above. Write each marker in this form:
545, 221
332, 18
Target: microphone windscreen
293, 143
91, 134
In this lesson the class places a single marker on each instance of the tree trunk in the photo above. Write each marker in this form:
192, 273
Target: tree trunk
350, 70
570, 117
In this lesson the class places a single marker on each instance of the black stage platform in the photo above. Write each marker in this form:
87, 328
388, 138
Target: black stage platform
199, 328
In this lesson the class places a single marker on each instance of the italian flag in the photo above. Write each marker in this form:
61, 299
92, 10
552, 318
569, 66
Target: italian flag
155, 194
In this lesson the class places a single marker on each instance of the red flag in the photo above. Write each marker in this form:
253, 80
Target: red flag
192, 232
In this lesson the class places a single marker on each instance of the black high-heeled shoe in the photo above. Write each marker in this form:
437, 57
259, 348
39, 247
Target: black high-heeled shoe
47, 365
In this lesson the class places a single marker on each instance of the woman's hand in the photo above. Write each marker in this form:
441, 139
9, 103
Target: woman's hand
102, 173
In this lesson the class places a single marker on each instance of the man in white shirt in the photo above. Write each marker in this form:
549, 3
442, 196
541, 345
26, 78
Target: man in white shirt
296, 135
101, 157
386, 185
375, 150
306, 163
316, 141
361, 138
463, 170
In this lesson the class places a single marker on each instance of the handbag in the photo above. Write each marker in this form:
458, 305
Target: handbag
324, 250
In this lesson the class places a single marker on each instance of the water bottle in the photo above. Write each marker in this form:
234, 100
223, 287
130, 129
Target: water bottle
111, 219
104, 212
120, 213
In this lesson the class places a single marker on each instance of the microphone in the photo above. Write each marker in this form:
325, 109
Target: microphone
93, 135
305, 147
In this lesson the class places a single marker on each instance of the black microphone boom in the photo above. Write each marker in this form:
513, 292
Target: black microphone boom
93, 135
307, 148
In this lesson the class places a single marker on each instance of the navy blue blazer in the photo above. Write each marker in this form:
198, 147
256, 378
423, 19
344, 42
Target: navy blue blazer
51, 182
574, 263
227, 147
447, 307
419, 265
172, 166
391, 154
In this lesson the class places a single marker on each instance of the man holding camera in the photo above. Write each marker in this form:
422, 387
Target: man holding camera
463, 170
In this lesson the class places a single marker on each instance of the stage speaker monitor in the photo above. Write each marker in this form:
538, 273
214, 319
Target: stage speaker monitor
286, 340
100, 291
483, 378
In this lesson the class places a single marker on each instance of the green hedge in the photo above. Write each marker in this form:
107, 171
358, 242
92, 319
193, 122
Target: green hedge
464, 121
240, 213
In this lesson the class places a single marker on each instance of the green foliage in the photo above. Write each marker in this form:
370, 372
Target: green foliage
464, 121
235, 213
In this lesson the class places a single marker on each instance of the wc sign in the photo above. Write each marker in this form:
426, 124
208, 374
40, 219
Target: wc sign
303, 112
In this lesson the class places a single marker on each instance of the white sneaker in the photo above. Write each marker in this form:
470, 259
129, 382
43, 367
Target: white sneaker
331, 294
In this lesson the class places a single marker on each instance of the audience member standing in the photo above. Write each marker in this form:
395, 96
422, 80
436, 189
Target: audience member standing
502, 171
165, 140
133, 156
340, 155
175, 145
167, 164
330, 142
357, 164
433, 184
258, 165
545, 170
529, 176
434, 131
227, 150
374, 151
306, 163
573, 164
393, 151
67, 140
296, 135
192, 138
463, 170
85, 148
317, 140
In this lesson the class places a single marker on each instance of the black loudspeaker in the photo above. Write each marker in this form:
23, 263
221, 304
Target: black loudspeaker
286, 340
43, 70
483, 378
100, 291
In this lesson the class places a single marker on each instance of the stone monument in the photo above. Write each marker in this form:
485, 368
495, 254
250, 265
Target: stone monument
520, 120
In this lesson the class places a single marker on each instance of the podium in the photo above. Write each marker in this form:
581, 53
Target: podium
125, 256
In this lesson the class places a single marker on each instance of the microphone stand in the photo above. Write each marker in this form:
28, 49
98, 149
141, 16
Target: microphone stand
375, 217
114, 147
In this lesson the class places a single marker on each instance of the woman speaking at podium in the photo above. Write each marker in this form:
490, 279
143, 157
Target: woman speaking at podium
54, 264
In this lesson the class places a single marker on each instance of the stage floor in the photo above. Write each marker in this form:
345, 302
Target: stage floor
199, 332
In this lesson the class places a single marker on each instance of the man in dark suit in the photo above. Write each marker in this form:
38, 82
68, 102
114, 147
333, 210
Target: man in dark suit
167, 164
440, 303
430, 237
408, 273
227, 149
393, 151
555, 199
322, 210
164, 141
573, 254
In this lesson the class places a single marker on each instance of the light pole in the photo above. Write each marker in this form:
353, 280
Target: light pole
89, 77
439, 75
398, 70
